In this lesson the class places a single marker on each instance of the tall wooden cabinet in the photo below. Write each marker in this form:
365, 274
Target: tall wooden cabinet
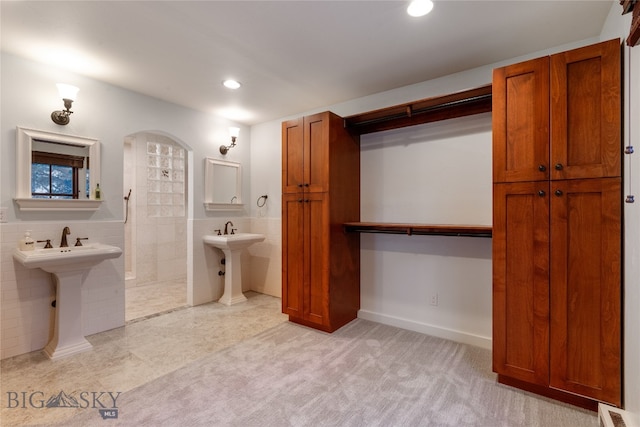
557, 238
320, 192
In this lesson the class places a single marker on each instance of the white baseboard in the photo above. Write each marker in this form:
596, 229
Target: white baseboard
425, 328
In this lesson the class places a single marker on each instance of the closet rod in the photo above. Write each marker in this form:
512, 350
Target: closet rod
464, 103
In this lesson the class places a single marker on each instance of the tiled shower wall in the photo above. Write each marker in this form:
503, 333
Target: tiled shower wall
160, 223
26, 294
27, 315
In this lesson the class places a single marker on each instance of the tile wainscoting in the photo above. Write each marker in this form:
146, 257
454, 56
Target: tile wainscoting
26, 294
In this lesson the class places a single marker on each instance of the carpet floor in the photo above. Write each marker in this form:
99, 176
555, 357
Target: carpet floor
365, 374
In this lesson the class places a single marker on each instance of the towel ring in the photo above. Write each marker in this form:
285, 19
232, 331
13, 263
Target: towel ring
264, 201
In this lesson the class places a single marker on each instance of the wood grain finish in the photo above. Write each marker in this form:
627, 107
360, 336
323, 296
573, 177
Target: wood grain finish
449, 106
419, 229
557, 238
320, 262
521, 281
293, 266
586, 293
585, 112
521, 121
293, 156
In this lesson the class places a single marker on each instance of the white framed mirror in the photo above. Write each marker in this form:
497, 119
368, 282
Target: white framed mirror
222, 185
84, 155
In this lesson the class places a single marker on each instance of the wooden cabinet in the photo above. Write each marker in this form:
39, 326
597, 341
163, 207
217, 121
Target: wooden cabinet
521, 281
521, 122
558, 116
305, 154
557, 238
321, 191
585, 291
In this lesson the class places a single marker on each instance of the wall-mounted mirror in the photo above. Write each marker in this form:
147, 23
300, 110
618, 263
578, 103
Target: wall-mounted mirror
56, 171
222, 185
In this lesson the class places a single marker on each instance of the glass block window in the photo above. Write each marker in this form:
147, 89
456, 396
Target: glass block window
165, 180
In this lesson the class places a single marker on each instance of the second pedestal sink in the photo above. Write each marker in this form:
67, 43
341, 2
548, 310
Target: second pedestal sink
68, 266
232, 246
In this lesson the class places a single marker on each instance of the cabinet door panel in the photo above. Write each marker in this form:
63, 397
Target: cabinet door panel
316, 142
292, 156
585, 112
586, 287
292, 254
521, 121
316, 297
521, 281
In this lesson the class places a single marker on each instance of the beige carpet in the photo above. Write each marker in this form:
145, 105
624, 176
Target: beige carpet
365, 374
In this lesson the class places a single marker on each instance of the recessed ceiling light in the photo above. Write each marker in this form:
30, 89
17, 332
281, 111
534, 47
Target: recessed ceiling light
231, 84
419, 8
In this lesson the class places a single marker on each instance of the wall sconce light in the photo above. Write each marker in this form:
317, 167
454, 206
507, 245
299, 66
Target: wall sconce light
68, 94
233, 133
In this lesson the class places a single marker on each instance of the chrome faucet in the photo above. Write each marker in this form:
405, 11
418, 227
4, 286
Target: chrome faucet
63, 240
226, 231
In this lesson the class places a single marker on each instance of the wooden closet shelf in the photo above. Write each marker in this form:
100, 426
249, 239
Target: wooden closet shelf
459, 104
420, 229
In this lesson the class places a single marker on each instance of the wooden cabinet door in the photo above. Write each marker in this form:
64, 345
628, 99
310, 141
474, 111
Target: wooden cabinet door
585, 112
521, 281
586, 251
316, 237
305, 260
521, 121
316, 154
305, 154
293, 273
292, 156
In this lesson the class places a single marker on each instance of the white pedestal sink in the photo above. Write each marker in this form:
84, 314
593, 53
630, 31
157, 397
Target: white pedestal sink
68, 266
232, 246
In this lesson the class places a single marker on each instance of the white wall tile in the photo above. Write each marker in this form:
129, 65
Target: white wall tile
27, 293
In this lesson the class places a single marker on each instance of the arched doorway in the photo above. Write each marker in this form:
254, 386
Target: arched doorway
156, 238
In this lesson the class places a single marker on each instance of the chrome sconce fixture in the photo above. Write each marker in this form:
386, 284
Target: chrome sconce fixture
68, 94
233, 133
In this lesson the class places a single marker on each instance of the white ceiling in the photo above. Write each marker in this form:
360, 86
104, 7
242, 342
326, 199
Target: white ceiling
291, 56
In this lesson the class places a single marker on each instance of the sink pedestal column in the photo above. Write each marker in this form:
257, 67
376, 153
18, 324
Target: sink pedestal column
232, 278
67, 332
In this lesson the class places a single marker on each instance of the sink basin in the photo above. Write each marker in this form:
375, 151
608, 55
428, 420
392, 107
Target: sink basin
232, 246
233, 241
68, 267
63, 259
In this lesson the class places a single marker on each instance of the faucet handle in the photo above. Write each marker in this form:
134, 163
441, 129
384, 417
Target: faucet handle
218, 231
78, 242
233, 230
47, 245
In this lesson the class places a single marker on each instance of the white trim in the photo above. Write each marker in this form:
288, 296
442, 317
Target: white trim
24, 139
209, 186
58, 204
223, 206
425, 328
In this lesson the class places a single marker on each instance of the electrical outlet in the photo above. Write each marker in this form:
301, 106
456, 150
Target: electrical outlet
3, 214
434, 299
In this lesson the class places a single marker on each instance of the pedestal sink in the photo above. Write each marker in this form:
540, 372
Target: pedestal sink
232, 246
68, 266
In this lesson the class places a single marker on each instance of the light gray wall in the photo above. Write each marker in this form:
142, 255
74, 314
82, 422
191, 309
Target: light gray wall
107, 113
433, 173
408, 270
28, 95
